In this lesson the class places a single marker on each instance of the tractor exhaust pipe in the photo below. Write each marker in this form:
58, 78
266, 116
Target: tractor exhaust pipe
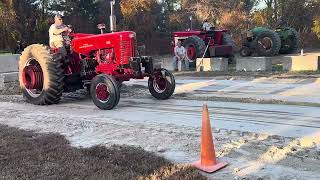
112, 17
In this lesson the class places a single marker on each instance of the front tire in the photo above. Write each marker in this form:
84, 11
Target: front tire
162, 84
104, 92
40, 75
245, 51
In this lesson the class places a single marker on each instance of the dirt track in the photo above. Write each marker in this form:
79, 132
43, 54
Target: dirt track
250, 155
172, 129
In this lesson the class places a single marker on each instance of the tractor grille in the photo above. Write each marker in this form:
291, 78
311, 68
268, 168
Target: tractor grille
126, 51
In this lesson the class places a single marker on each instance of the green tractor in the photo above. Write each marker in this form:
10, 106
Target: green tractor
290, 40
262, 41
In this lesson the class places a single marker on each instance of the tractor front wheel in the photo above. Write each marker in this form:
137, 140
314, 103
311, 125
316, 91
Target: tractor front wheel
245, 51
104, 92
162, 84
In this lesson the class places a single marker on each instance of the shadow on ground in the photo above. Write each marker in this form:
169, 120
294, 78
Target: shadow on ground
29, 155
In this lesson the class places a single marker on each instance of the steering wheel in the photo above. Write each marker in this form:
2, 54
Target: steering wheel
68, 35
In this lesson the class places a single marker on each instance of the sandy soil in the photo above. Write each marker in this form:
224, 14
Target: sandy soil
250, 155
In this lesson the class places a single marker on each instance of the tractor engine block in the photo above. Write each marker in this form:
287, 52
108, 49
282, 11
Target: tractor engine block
88, 68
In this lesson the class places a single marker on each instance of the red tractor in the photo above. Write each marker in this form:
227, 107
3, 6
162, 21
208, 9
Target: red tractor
212, 43
96, 62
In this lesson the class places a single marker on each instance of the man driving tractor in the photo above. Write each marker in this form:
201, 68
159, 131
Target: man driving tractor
55, 34
206, 25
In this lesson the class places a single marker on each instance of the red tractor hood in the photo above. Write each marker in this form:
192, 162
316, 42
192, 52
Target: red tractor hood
85, 43
186, 33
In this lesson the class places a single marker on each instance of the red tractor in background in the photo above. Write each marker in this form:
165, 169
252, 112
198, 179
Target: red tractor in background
96, 62
212, 43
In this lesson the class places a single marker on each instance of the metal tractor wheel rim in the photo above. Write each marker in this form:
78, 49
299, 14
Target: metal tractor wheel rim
102, 92
32, 92
266, 43
191, 52
159, 84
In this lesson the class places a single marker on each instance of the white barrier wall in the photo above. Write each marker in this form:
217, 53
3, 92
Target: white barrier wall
254, 64
212, 64
9, 63
302, 63
8, 69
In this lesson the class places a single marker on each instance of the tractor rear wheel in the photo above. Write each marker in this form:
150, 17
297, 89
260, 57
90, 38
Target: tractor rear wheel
162, 84
292, 44
40, 75
104, 92
195, 47
267, 43
228, 40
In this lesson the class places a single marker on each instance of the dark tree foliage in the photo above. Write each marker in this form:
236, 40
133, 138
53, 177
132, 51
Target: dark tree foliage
152, 20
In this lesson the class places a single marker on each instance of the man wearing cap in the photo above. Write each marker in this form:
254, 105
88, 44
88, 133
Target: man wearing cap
206, 25
55, 34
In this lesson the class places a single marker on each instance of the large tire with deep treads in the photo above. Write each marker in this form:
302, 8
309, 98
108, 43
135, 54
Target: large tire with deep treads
267, 43
162, 84
292, 44
228, 40
195, 44
36, 60
104, 92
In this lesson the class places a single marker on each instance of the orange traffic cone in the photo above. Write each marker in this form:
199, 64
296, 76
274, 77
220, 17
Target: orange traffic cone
208, 161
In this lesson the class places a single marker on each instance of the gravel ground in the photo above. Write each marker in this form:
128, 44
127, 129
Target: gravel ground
138, 91
250, 155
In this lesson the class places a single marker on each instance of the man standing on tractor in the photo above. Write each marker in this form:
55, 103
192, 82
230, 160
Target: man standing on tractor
206, 25
55, 34
180, 57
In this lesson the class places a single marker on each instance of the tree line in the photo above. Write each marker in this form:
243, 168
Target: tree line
155, 20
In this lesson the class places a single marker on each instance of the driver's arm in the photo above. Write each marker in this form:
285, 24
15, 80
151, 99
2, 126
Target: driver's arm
57, 31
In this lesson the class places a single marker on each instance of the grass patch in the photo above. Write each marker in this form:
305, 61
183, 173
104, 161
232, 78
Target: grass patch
29, 155
277, 67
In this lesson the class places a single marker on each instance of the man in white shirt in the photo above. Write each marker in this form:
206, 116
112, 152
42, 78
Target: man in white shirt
55, 34
206, 25
180, 57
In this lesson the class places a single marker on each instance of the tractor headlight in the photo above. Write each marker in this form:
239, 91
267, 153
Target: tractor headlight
133, 35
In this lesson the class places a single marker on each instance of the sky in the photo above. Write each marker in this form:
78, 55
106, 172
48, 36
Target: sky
261, 5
